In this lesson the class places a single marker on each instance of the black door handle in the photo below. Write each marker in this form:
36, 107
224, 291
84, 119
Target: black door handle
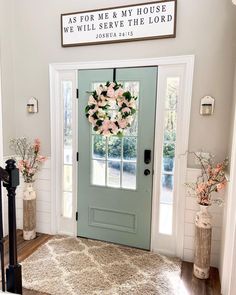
147, 172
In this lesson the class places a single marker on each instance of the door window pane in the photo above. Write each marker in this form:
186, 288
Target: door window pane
169, 150
165, 220
129, 175
114, 148
68, 178
170, 121
172, 93
99, 147
113, 173
130, 148
67, 204
167, 164
167, 189
98, 172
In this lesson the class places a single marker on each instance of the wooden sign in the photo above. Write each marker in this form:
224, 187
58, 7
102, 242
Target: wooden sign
127, 23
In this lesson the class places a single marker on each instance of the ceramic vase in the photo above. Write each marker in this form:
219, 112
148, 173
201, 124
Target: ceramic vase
29, 212
203, 223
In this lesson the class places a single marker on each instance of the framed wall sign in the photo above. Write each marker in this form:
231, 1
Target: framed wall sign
127, 23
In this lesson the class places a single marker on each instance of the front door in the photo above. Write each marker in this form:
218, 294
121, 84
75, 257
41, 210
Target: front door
114, 183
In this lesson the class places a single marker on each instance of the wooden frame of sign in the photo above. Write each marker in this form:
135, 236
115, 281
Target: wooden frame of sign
145, 21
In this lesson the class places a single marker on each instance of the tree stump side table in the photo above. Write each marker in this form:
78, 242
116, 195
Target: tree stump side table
202, 256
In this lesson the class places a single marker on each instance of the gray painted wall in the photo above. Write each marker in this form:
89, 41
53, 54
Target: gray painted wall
204, 28
6, 65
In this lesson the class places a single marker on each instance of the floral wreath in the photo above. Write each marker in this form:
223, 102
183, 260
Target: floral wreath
101, 105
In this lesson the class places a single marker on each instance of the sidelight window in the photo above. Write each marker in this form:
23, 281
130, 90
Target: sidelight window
67, 149
168, 156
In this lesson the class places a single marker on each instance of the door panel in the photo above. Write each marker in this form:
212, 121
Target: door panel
114, 195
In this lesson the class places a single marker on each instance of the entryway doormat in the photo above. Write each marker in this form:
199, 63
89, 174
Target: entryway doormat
78, 266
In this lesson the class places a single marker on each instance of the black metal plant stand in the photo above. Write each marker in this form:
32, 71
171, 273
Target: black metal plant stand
10, 179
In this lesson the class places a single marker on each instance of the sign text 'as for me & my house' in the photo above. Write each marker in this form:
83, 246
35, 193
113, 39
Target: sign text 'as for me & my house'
127, 23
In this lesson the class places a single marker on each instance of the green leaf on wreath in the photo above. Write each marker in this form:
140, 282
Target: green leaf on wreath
127, 95
120, 134
87, 109
99, 122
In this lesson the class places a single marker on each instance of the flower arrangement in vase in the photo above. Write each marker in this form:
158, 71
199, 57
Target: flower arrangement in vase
29, 161
211, 180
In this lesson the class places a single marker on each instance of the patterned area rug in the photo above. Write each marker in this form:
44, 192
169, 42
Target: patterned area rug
66, 265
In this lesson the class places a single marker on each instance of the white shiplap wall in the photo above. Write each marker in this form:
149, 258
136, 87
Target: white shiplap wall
191, 208
43, 188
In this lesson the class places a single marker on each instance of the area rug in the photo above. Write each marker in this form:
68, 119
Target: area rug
77, 266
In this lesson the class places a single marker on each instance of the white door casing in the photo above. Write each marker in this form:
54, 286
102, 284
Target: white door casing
180, 65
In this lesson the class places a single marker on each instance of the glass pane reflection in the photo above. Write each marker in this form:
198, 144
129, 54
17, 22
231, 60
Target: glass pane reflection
67, 204
129, 175
114, 148
99, 147
130, 148
113, 174
98, 172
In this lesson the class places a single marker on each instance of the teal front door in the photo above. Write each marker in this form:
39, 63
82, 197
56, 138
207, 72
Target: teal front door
115, 174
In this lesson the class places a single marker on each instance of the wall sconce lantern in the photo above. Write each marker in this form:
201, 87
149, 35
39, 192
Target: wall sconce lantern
207, 106
32, 105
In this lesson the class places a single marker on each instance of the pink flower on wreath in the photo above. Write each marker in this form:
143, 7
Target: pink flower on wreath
92, 111
122, 123
102, 103
110, 91
119, 92
126, 110
120, 101
112, 84
99, 90
131, 104
129, 119
91, 100
113, 127
92, 120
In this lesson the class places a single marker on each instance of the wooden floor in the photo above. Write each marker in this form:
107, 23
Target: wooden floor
189, 284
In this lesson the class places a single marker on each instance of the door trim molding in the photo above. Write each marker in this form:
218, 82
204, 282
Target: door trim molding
228, 261
188, 62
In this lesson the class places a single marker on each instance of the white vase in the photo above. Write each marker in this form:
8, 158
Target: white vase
202, 255
29, 212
